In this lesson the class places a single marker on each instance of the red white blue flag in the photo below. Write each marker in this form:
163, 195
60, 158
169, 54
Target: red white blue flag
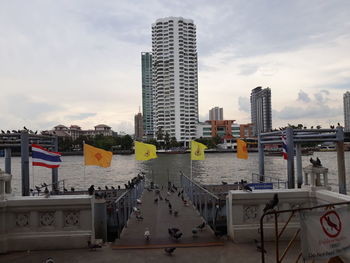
284, 147
43, 157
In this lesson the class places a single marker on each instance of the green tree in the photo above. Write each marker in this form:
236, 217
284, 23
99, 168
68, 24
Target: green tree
167, 140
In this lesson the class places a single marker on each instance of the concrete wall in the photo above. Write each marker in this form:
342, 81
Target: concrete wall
56, 222
244, 210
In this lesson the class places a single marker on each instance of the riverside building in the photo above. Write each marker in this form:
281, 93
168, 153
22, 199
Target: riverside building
147, 94
260, 105
216, 114
346, 99
138, 123
175, 78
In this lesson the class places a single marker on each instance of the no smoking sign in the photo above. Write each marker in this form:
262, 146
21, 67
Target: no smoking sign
331, 224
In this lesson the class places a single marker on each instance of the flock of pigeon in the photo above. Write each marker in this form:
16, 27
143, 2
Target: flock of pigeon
175, 234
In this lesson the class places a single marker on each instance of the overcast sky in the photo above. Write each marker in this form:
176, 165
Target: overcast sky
78, 62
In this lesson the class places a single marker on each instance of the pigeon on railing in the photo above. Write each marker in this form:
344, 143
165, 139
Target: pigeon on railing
272, 203
169, 250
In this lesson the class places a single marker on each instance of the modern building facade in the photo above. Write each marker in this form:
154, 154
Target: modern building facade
216, 114
261, 113
175, 78
147, 94
138, 123
346, 99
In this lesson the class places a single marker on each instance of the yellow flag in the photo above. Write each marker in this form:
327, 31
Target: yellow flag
197, 150
97, 156
242, 152
145, 151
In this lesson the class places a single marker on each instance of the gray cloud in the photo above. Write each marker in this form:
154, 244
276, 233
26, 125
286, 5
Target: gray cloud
81, 116
316, 111
248, 69
244, 104
303, 96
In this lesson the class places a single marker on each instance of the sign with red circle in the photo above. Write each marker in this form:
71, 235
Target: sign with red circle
331, 224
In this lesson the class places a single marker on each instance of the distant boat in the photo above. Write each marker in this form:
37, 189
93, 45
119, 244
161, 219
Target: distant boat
304, 152
328, 148
172, 151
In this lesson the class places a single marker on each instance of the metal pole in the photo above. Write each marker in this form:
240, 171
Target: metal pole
299, 164
341, 161
261, 160
8, 169
290, 161
25, 162
8, 160
55, 170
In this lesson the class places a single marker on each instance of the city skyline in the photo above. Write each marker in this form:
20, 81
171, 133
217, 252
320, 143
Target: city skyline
80, 63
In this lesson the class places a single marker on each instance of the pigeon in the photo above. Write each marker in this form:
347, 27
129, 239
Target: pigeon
49, 260
224, 183
173, 231
24, 127
91, 190
46, 192
99, 188
106, 187
272, 203
138, 201
247, 188
139, 217
169, 205
177, 235
65, 190
201, 226
194, 232
2, 131
176, 213
318, 162
258, 246
93, 246
178, 195
169, 250
72, 189
136, 210
112, 187
119, 187
147, 234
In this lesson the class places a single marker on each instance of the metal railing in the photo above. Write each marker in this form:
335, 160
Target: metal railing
207, 203
277, 183
278, 233
56, 188
119, 211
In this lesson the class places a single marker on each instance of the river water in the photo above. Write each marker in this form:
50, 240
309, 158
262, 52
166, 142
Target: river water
216, 167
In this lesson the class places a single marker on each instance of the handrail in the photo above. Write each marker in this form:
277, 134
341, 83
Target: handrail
200, 187
279, 233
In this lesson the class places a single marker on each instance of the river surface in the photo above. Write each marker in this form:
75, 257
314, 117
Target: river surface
216, 167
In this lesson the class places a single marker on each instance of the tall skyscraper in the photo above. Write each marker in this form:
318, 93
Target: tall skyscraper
138, 126
346, 98
216, 114
175, 77
260, 105
147, 95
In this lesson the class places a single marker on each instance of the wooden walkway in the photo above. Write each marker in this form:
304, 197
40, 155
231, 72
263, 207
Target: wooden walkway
158, 219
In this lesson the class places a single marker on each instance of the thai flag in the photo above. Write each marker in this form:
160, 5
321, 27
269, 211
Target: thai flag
43, 157
284, 147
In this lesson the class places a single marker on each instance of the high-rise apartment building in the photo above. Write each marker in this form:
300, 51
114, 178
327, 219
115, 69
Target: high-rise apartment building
260, 105
346, 99
216, 114
147, 95
175, 77
138, 122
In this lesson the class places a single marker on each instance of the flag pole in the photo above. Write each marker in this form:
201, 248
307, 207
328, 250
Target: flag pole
84, 163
